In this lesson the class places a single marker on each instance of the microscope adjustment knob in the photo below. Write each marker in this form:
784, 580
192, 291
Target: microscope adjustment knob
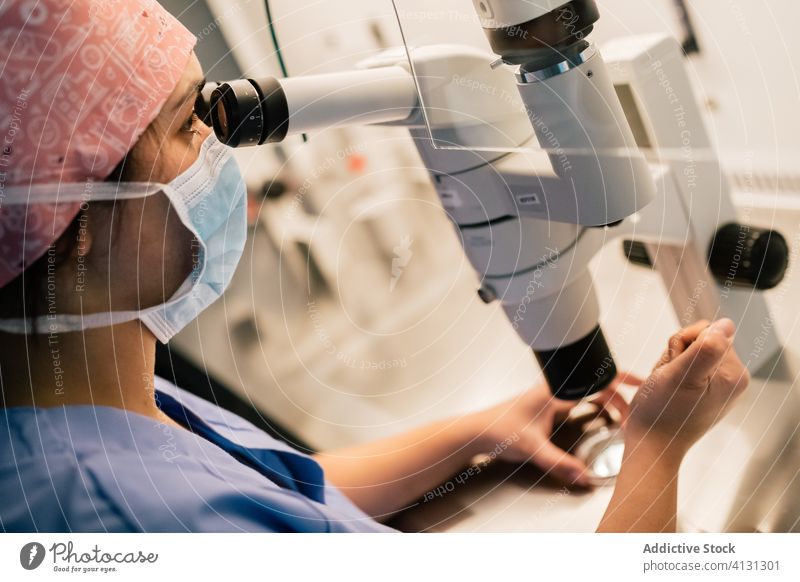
745, 256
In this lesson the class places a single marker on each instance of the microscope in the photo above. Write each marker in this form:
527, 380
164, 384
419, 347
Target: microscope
542, 151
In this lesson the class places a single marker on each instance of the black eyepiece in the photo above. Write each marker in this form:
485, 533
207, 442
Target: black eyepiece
202, 105
249, 112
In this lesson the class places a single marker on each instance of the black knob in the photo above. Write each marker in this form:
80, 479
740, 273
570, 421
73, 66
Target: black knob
637, 253
487, 293
745, 256
274, 189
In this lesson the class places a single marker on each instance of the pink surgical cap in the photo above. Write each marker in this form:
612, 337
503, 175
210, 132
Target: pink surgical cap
80, 80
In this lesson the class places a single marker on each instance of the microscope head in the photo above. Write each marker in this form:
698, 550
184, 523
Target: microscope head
574, 111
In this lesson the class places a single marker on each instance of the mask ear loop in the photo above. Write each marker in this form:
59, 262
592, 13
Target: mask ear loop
54, 193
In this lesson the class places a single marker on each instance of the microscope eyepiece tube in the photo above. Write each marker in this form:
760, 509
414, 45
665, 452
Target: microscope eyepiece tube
249, 112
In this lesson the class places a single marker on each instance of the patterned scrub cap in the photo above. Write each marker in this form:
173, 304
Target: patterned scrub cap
80, 80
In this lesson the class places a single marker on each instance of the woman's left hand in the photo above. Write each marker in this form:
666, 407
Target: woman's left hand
525, 423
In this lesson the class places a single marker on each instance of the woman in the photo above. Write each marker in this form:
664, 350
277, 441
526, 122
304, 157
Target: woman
96, 268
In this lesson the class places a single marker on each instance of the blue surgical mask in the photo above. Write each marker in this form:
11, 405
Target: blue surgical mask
210, 199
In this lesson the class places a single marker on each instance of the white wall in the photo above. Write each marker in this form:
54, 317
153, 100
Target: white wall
747, 73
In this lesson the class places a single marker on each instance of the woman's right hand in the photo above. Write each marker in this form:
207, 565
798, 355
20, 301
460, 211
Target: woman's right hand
691, 388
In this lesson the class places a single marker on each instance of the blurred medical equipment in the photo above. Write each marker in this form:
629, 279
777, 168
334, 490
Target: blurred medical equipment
540, 158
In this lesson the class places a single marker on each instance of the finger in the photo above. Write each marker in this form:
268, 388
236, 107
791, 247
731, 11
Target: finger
695, 366
560, 464
682, 339
562, 408
691, 332
613, 400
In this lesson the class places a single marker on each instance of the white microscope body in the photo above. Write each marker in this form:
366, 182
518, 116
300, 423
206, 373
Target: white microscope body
533, 212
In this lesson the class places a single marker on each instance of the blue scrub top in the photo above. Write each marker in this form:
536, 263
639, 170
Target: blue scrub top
102, 469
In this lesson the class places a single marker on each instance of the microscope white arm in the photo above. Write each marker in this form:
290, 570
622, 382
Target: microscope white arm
532, 214
517, 214
361, 97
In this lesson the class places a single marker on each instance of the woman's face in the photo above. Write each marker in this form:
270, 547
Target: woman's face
142, 256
